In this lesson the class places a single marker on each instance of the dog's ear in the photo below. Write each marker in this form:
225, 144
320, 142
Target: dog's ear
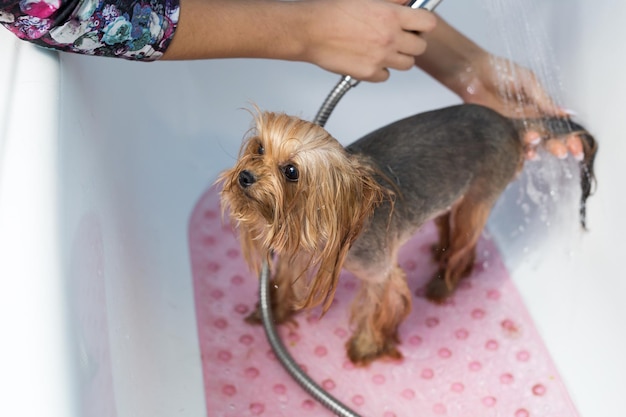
338, 204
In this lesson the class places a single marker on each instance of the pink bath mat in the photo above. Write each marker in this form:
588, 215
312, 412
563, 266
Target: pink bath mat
477, 356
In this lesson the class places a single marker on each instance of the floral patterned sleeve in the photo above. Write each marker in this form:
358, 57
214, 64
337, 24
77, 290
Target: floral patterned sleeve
130, 29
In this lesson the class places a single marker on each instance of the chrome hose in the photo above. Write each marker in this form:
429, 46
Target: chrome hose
286, 360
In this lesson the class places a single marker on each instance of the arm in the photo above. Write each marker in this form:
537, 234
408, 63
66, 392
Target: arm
131, 29
479, 77
450, 58
361, 38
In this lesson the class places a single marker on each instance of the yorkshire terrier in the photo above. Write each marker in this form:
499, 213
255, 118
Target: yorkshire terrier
311, 207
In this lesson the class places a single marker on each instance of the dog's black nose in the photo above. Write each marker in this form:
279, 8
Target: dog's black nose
246, 179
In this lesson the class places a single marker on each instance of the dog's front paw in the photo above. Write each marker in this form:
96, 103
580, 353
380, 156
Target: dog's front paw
362, 353
279, 316
254, 318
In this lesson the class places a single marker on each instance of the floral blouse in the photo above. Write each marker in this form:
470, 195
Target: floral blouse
131, 29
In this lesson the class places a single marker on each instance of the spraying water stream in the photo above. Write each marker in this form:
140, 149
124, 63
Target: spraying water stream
545, 195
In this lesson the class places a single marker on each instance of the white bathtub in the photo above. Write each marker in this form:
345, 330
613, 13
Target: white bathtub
102, 161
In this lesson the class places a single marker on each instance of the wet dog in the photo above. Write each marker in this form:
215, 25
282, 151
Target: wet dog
312, 207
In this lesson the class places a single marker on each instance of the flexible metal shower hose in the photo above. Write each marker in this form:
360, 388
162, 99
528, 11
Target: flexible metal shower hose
285, 358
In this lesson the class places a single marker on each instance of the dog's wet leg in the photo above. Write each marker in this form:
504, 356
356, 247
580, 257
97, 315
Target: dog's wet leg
468, 219
377, 312
441, 248
286, 289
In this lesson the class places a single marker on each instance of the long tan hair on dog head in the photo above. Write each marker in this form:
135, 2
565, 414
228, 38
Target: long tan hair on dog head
316, 216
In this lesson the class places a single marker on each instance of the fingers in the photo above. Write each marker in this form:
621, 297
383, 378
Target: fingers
516, 90
411, 44
416, 20
400, 62
407, 43
560, 147
544, 102
364, 38
557, 148
574, 145
532, 138
535, 94
531, 154
378, 76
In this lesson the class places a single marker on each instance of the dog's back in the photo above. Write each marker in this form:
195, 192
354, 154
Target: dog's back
432, 158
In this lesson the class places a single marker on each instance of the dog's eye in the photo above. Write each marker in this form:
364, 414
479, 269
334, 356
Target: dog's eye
291, 173
260, 149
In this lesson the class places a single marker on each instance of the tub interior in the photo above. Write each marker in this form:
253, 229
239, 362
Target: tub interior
478, 353
96, 198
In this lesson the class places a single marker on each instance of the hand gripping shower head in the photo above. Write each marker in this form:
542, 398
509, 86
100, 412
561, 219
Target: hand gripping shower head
347, 82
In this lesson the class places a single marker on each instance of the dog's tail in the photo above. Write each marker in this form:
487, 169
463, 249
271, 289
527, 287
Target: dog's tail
560, 126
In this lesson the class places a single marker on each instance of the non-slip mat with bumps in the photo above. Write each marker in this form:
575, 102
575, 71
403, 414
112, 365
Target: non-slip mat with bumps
477, 356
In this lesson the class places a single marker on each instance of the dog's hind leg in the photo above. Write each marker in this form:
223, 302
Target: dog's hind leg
466, 223
377, 311
443, 245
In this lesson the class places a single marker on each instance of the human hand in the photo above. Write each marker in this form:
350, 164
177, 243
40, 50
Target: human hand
515, 92
364, 38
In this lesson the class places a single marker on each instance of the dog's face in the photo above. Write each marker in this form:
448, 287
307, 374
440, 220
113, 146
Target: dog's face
295, 191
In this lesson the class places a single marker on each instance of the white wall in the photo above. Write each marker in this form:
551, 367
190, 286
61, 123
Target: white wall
34, 350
